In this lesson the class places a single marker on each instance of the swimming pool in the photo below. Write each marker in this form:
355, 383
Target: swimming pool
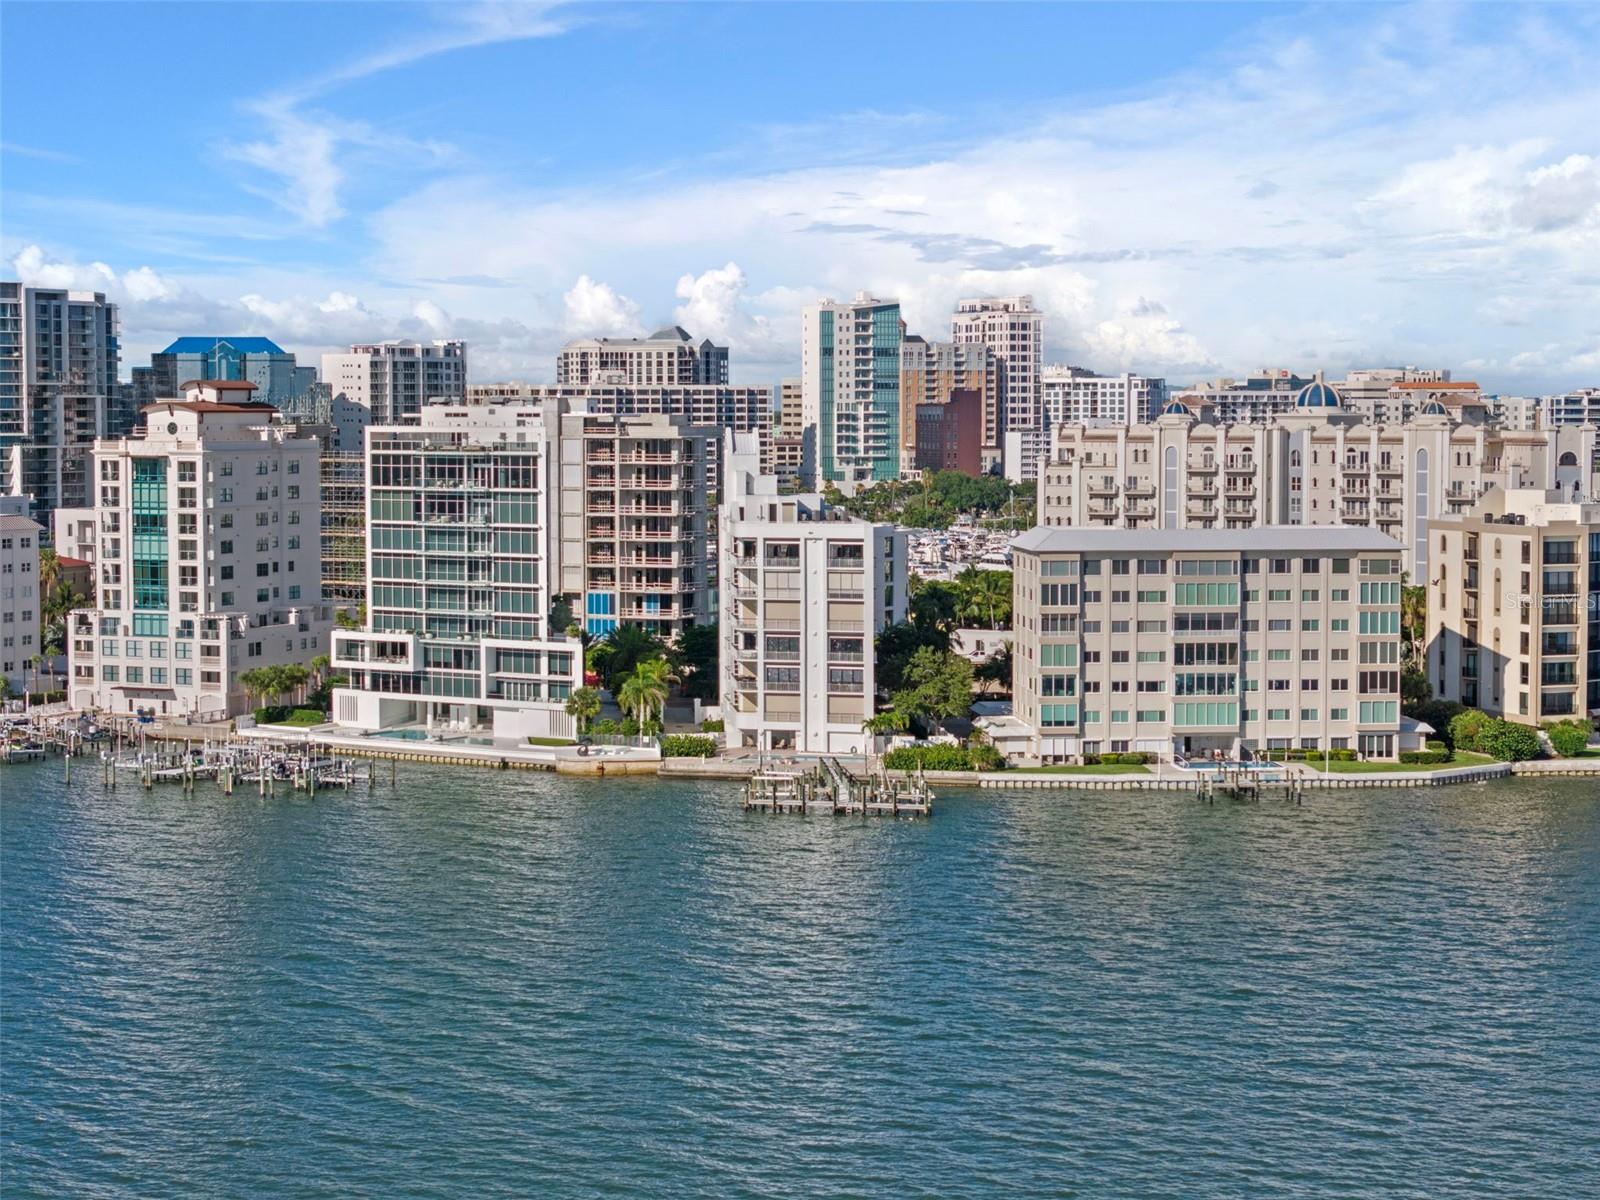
402, 735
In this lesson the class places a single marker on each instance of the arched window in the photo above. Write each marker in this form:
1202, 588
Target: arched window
1497, 590
1569, 459
1294, 458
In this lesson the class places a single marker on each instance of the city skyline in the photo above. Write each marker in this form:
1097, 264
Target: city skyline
1325, 165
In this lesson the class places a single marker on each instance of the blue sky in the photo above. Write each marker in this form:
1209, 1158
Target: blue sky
1187, 190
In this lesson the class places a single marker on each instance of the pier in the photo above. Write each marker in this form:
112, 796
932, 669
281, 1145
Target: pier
828, 787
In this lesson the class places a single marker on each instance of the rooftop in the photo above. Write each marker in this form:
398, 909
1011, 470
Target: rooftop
206, 345
1264, 539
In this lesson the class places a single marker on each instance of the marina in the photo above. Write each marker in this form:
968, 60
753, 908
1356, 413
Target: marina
829, 787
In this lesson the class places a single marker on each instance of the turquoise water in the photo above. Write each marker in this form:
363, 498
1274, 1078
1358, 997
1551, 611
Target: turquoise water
403, 735
504, 984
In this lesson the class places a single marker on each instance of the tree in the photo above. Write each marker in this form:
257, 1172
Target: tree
254, 682
936, 683
694, 657
1510, 742
1414, 688
644, 693
896, 644
344, 620
889, 721
614, 657
1468, 730
984, 596
935, 608
1414, 622
996, 669
583, 706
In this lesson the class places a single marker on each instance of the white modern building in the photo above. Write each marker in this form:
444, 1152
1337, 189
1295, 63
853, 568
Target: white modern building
720, 404
58, 392
20, 599
667, 357
1075, 396
850, 389
1200, 642
209, 562
1013, 330
805, 589
459, 566
1578, 407
388, 383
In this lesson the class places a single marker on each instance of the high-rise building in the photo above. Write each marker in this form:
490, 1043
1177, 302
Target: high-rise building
950, 434
1013, 330
721, 404
850, 388
1254, 400
805, 589
1074, 396
637, 520
257, 360
209, 561
1318, 464
793, 443
58, 392
1513, 624
20, 600
1370, 392
1514, 412
388, 383
932, 373
460, 544
667, 356
1188, 642
344, 526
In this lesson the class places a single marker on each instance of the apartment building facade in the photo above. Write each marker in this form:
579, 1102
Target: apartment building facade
462, 519
720, 404
209, 558
1514, 606
1318, 464
59, 356
805, 590
21, 601
1202, 642
936, 373
1075, 396
668, 357
850, 389
1581, 406
388, 383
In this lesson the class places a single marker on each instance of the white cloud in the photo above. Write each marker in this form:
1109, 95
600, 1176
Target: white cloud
713, 306
596, 309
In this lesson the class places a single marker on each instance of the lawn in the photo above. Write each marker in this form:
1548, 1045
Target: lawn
538, 741
1463, 758
1085, 769
301, 718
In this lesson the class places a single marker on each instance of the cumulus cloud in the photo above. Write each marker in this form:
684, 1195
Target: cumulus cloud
713, 306
598, 310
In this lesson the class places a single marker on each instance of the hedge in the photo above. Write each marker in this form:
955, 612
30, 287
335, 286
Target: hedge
711, 725
1426, 757
1571, 737
1510, 742
1469, 729
936, 757
288, 714
688, 745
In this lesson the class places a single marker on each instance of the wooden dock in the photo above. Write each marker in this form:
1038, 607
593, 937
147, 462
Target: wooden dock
831, 789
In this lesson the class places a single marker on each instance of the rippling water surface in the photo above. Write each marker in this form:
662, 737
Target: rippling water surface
479, 983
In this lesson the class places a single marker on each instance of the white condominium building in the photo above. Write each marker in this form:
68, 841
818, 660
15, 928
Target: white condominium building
850, 389
1318, 464
459, 550
20, 601
388, 383
805, 589
1074, 396
1578, 407
1194, 642
667, 356
209, 560
720, 404
1013, 330
1254, 400
1372, 392
1514, 606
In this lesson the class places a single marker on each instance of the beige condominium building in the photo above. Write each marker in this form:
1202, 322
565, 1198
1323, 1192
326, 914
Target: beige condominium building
1196, 642
939, 373
1319, 464
805, 589
1514, 607
210, 557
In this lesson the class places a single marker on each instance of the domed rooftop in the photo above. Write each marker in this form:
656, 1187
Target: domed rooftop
1433, 409
1176, 408
1318, 394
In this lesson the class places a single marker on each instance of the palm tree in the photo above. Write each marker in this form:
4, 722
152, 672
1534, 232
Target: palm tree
583, 706
254, 682
644, 693
889, 721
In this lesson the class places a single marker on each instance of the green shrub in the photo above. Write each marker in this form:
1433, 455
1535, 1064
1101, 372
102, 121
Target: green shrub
1297, 753
985, 757
1569, 738
1436, 744
1111, 759
1509, 742
711, 725
1427, 757
1468, 730
688, 745
1342, 754
605, 727
938, 756
1438, 713
1090, 760
1136, 758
